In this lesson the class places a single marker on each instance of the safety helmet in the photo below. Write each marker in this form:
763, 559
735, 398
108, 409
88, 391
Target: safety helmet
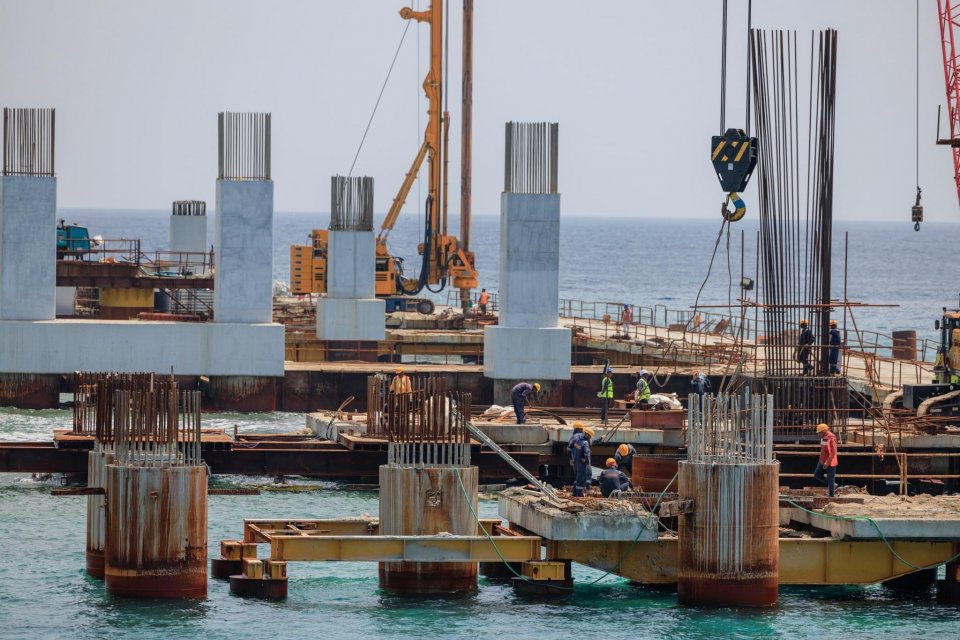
833, 323
399, 369
803, 321
822, 427
608, 370
611, 462
588, 431
536, 387
623, 450
644, 372
578, 425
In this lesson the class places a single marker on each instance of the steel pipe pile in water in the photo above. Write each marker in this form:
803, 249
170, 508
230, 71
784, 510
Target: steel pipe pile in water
729, 546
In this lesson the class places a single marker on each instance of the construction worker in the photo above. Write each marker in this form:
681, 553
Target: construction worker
642, 398
624, 458
520, 396
803, 346
626, 316
400, 382
826, 471
577, 432
581, 462
605, 394
835, 341
612, 479
699, 384
484, 299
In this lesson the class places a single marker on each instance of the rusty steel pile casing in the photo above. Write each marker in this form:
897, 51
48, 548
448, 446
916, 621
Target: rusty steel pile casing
156, 531
728, 547
427, 501
428, 447
97, 462
153, 526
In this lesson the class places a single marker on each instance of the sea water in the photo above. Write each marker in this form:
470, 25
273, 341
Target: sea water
45, 593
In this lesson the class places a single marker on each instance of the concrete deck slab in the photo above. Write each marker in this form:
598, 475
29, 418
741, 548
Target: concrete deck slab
617, 524
894, 518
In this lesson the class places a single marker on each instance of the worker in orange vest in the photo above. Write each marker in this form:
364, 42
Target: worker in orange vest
826, 471
400, 382
484, 299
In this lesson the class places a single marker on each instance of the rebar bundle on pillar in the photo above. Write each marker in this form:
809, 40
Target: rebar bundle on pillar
729, 546
420, 492
156, 508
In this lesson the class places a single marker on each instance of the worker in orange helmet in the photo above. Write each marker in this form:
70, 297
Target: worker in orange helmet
624, 458
612, 479
826, 471
400, 382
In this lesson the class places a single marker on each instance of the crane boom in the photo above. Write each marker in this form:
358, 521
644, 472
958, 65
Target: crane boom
949, 24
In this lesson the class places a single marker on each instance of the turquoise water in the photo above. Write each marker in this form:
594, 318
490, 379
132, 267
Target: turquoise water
44, 592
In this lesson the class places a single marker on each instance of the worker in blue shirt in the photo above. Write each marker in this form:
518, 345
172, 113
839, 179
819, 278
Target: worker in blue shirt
520, 396
612, 479
583, 473
835, 342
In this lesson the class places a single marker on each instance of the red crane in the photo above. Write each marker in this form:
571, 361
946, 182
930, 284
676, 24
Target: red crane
949, 24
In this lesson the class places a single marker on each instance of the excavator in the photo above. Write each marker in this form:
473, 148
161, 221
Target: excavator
444, 259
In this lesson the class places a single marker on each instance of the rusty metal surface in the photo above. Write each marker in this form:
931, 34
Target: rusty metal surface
156, 531
29, 391
243, 394
732, 536
427, 501
96, 479
423, 421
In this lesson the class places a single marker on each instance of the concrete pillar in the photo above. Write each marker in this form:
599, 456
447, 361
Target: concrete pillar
527, 344
350, 310
188, 226
243, 280
28, 250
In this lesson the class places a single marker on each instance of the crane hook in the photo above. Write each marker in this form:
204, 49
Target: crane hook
916, 213
739, 210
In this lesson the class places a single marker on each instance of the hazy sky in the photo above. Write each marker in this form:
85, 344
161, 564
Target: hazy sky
634, 85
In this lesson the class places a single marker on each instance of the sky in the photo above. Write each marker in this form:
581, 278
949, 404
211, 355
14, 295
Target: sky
634, 84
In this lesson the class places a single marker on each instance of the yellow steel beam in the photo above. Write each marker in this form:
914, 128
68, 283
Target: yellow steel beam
255, 530
648, 562
802, 560
403, 548
828, 561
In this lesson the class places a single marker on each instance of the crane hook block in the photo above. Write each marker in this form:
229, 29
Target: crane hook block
734, 157
739, 208
916, 213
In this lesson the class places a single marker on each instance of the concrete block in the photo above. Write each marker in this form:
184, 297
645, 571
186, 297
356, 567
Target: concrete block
188, 234
348, 319
350, 270
529, 259
65, 300
243, 282
526, 354
212, 349
28, 247
503, 433
554, 524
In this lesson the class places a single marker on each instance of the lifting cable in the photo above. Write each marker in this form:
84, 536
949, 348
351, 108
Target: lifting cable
377, 104
917, 211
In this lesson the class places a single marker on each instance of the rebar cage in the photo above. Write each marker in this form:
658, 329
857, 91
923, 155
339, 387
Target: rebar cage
425, 423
